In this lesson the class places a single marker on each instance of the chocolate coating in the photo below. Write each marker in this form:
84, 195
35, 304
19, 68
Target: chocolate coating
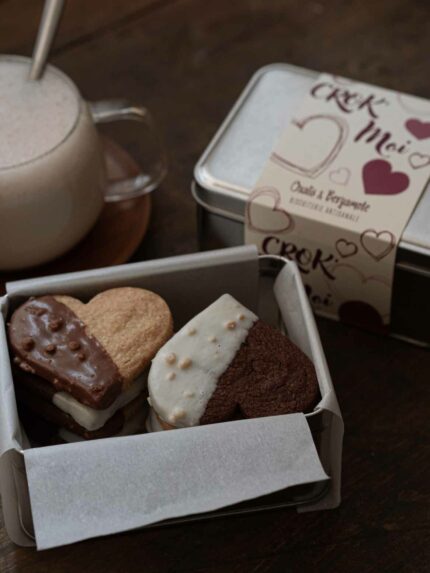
268, 376
89, 375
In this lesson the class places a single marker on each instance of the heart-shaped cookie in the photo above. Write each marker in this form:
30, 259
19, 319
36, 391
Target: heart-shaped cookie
95, 350
35, 395
226, 364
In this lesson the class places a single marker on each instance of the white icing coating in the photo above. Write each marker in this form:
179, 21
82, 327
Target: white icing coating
92, 419
132, 426
152, 423
210, 349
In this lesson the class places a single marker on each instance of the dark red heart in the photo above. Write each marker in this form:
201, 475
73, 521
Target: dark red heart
379, 179
419, 129
363, 315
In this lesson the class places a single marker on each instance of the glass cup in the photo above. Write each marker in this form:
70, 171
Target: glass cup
53, 181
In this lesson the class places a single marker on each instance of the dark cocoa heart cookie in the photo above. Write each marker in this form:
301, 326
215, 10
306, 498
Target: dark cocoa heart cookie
227, 364
268, 376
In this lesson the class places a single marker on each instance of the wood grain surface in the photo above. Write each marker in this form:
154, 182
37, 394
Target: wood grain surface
187, 60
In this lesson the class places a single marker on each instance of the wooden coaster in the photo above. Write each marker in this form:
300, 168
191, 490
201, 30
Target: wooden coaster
114, 238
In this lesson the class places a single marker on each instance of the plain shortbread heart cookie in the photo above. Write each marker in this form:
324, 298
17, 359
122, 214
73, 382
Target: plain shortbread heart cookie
130, 323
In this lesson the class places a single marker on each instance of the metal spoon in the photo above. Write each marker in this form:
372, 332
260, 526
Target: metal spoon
47, 28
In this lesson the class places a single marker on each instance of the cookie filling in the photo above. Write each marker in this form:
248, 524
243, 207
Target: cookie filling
90, 418
132, 426
155, 424
49, 413
49, 340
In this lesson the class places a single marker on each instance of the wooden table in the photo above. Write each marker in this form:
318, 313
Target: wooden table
187, 60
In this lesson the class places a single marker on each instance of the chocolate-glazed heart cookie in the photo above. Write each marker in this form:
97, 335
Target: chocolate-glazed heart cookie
61, 409
57, 417
91, 351
227, 364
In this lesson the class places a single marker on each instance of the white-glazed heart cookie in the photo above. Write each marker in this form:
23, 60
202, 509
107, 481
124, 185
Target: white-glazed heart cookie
227, 364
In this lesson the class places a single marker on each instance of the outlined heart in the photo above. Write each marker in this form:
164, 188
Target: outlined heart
418, 160
353, 286
343, 81
267, 217
377, 244
340, 176
419, 129
379, 179
417, 106
346, 248
325, 156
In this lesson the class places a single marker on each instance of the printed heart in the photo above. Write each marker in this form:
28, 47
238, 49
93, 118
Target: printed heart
418, 160
340, 176
343, 81
346, 248
379, 179
377, 244
415, 105
362, 314
317, 142
92, 351
265, 214
419, 129
352, 286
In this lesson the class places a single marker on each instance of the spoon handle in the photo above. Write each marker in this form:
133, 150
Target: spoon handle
48, 26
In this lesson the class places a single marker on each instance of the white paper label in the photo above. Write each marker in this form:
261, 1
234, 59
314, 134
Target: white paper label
338, 191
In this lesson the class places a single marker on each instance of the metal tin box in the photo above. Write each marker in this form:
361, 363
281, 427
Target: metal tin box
188, 283
230, 166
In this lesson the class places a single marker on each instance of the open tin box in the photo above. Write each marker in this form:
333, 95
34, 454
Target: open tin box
60, 494
230, 166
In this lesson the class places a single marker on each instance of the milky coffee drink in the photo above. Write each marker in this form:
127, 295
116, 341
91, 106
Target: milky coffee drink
52, 171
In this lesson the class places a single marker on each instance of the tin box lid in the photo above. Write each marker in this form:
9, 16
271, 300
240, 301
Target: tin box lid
231, 164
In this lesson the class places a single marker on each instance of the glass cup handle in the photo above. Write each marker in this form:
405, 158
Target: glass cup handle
147, 180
